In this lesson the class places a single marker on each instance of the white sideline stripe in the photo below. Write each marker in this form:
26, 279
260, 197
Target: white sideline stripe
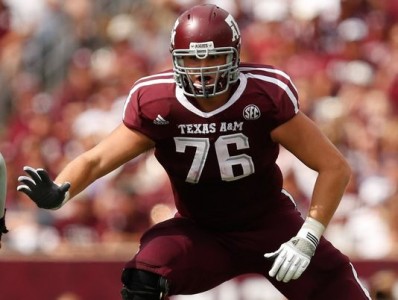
359, 282
139, 85
279, 83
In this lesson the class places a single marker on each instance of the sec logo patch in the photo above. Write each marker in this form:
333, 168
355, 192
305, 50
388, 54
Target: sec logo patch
251, 112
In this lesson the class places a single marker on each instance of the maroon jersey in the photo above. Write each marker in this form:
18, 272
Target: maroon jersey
221, 163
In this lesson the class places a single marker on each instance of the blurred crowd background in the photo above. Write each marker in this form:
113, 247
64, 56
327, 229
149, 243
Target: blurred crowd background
67, 66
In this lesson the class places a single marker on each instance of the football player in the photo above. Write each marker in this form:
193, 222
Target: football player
216, 125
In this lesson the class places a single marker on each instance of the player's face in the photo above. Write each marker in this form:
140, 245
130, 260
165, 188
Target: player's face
205, 71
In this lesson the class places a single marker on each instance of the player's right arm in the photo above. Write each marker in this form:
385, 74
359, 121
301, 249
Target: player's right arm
122, 145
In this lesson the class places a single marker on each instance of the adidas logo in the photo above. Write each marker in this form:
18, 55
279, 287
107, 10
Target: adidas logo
160, 121
312, 238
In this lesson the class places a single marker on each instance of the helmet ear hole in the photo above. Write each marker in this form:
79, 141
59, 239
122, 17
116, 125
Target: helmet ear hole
202, 31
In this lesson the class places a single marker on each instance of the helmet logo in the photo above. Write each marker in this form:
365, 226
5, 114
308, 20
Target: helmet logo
251, 112
234, 27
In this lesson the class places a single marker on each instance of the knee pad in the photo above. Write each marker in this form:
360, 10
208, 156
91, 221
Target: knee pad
143, 285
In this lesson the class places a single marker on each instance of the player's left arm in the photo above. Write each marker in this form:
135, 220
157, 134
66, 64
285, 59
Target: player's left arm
3, 189
304, 139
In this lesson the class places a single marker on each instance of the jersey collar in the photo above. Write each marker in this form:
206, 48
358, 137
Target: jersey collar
235, 96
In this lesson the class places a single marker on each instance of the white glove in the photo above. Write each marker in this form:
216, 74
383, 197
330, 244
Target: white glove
293, 257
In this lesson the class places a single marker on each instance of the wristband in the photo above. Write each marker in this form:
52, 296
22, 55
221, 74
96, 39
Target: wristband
311, 230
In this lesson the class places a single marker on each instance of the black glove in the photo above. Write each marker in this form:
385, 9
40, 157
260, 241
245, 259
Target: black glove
42, 190
3, 228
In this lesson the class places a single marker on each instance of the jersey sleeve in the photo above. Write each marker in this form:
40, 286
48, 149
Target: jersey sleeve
131, 111
133, 117
286, 102
147, 104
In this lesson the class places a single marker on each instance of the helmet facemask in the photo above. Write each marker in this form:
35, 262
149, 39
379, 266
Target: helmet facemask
223, 75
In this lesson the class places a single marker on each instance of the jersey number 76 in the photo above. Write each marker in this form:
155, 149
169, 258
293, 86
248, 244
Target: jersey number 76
225, 160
